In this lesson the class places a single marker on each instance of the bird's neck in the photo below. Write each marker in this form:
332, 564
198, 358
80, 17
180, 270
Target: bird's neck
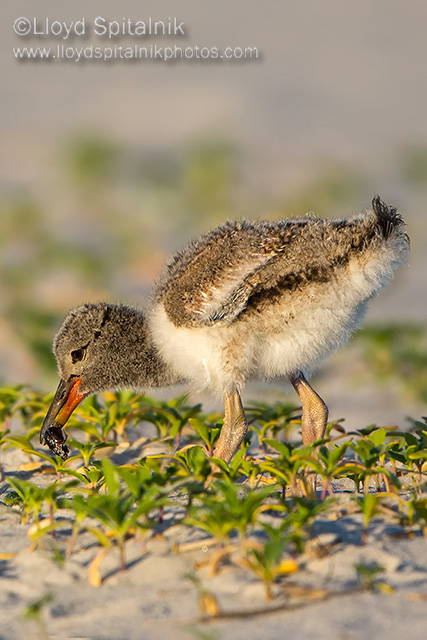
137, 362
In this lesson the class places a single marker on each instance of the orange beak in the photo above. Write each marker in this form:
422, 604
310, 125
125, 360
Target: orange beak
66, 399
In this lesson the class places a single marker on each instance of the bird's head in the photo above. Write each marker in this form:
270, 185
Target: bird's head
80, 347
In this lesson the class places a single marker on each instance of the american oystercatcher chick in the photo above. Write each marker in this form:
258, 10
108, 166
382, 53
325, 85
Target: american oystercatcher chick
248, 300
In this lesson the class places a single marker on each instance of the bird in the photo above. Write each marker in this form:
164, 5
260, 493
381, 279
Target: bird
247, 300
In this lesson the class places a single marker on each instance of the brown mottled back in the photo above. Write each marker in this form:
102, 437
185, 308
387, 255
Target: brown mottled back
242, 265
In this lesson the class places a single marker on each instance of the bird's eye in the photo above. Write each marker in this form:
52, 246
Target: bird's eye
78, 354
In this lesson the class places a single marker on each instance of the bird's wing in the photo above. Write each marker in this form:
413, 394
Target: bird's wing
224, 299
212, 281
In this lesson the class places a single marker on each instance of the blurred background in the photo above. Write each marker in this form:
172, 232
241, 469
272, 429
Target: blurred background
108, 167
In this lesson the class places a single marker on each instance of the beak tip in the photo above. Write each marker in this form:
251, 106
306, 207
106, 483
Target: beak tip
42, 436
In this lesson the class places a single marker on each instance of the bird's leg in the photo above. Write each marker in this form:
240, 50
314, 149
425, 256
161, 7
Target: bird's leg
314, 411
234, 428
313, 421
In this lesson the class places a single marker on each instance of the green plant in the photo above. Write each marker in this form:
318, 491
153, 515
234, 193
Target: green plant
414, 454
418, 507
206, 601
31, 497
192, 461
228, 507
239, 468
56, 462
266, 562
3, 440
299, 516
369, 505
208, 434
287, 468
270, 420
329, 464
35, 611
370, 455
111, 414
9, 397
168, 419
116, 510
367, 575
86, 450
252, 508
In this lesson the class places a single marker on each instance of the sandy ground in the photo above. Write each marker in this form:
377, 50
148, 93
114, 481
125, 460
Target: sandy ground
153, 599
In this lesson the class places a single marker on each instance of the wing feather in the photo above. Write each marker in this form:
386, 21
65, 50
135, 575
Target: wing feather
248, 265
213, 279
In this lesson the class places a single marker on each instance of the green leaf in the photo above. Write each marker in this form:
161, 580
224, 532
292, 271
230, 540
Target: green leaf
378, 436
111, 477
281, 447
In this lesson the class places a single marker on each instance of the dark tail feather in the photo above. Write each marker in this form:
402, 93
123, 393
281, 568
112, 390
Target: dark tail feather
387, 217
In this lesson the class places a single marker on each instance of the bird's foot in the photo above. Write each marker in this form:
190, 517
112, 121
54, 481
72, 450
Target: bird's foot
233, 430
314, 411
